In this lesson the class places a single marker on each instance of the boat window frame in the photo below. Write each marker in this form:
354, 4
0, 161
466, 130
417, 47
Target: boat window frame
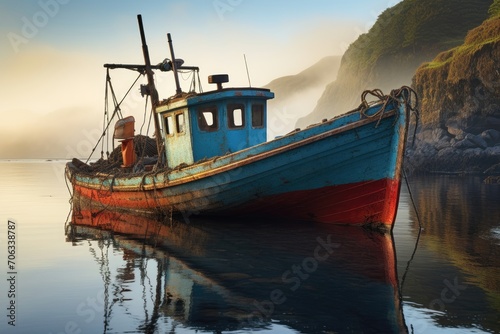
202, 120
230, 109
262, 115
169, 125
178, 129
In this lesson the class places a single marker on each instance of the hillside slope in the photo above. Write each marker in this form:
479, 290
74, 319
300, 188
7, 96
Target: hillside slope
296, 95
319, 74
460, 104
404, 36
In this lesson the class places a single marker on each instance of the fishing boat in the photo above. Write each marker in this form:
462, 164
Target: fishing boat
212, 157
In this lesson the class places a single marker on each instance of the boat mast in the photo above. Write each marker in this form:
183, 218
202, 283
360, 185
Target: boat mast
151, 86
178, 89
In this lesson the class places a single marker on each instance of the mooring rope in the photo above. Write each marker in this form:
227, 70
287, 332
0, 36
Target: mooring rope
420, 229
405, 93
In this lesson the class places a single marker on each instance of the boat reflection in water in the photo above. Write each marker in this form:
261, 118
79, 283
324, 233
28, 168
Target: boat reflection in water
460, 243
218, 277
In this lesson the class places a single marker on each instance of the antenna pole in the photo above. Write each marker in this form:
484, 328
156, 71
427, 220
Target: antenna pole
174, 65
151, 85
248, 74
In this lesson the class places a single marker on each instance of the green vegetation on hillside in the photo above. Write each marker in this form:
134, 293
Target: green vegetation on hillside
487, 33
415, 26
448, 85
494, 10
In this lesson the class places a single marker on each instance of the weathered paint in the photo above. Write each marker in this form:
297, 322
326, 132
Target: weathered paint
226, 139
178, 144
362, 155
361, 203
195, 143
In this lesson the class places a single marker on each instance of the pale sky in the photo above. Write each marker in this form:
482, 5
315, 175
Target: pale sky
52, 51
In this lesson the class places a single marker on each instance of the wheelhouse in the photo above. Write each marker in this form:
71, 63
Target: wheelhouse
206, 125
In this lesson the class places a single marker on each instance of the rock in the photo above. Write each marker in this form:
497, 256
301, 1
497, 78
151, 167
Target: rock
448, 153
443, 143
493, 121
426, 136
493, 151
438, 134
472, 154
427, 150
477, 140
464, 144
454, 130
461, 136
491, 136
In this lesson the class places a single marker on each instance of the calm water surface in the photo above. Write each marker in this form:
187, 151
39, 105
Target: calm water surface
239, 277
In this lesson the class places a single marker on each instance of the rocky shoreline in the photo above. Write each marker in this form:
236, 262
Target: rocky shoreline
454, 151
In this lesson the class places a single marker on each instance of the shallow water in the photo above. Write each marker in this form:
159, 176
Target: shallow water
248, 276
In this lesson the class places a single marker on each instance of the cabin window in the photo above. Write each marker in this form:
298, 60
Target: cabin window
257, 115
207, 118
181, 125
236, 115
169, 125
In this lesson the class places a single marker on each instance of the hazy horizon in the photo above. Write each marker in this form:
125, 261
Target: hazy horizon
52, 90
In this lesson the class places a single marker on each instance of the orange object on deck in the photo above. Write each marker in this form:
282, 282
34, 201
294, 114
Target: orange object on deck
124, 128
128, 152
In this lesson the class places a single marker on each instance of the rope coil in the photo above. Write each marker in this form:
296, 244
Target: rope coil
405, 95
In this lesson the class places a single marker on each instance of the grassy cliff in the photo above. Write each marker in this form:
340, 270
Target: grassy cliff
459, 92
462, 85
403, 37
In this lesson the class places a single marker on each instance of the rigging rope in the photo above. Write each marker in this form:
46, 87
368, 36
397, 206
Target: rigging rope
195, 78
116, 111
106, 115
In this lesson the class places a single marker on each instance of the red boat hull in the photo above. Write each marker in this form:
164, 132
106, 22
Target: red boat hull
351, 204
